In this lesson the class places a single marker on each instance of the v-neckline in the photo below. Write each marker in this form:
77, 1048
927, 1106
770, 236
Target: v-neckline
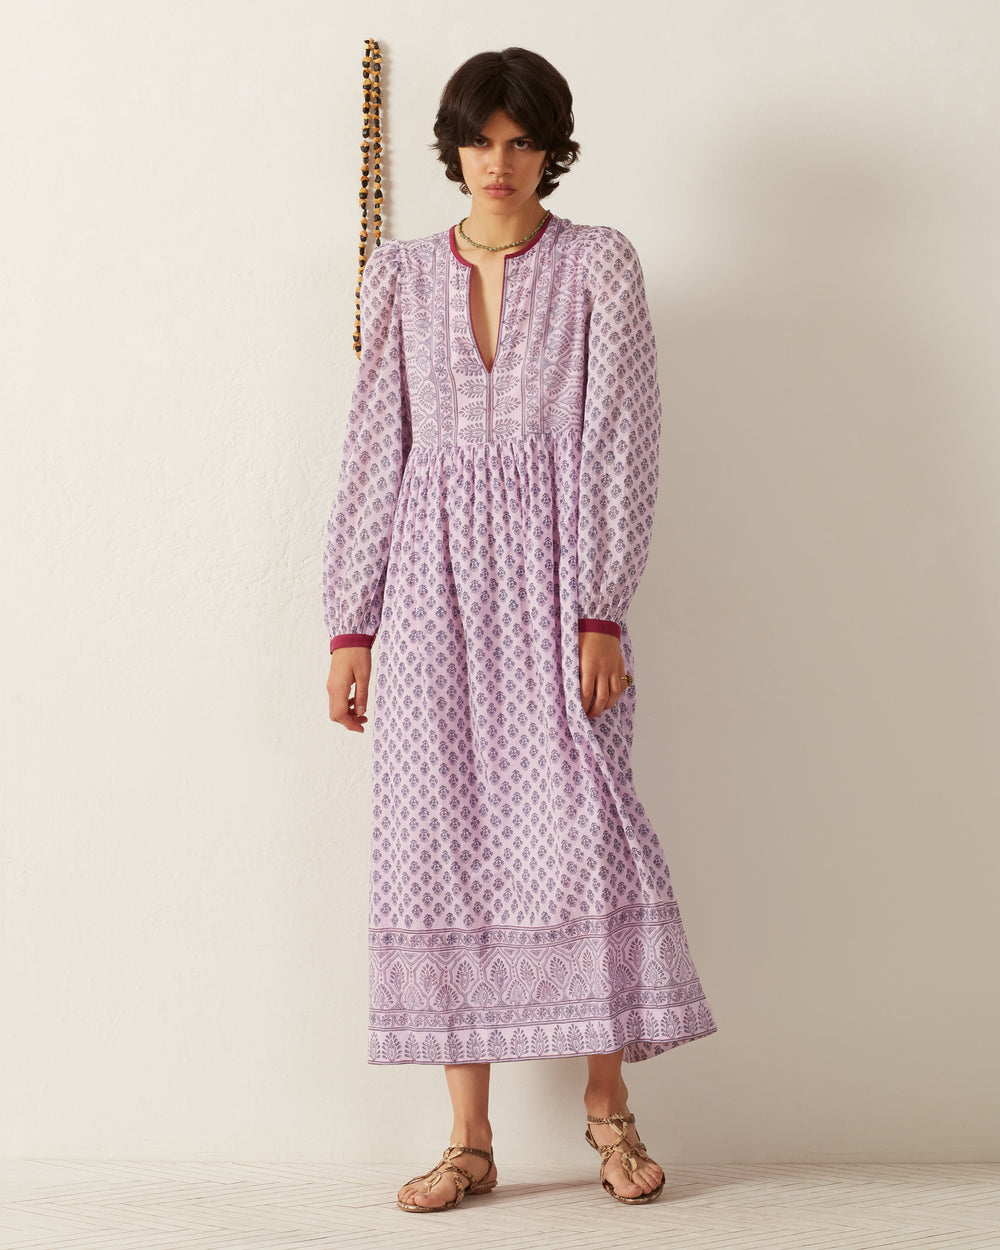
503, 290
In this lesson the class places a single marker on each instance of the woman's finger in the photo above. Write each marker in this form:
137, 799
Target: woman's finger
360, 693
601, 692
586, 687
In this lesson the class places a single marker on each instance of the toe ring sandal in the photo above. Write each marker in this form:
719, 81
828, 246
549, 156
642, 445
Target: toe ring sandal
630, 1153
465, 1182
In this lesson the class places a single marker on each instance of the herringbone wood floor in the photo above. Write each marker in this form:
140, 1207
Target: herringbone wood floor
67, 1204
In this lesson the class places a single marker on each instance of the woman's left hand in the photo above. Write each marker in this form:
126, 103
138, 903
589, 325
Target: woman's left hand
602, 672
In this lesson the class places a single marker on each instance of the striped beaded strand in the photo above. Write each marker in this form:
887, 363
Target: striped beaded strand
371, 130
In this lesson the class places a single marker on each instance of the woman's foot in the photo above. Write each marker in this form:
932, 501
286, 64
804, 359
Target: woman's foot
647, 1174
446, 1188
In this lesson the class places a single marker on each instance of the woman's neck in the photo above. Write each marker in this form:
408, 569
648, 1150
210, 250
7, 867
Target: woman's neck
497, 229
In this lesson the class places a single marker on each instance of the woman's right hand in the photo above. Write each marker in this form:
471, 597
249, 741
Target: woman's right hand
349, 666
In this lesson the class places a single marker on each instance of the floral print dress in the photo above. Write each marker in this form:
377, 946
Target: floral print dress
520, 903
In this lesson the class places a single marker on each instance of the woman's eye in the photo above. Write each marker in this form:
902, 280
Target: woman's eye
524, 143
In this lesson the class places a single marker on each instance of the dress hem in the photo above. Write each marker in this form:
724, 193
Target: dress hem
649, 1047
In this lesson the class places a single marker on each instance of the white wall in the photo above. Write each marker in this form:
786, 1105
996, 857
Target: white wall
814, 190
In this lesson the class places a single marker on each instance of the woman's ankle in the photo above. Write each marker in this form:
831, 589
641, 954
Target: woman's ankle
605, 1100
478, 1136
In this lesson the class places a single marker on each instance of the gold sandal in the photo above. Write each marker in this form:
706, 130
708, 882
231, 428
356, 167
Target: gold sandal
465, 1182
631, 1154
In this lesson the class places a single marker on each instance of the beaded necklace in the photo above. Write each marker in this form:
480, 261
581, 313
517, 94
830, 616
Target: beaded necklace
502, 246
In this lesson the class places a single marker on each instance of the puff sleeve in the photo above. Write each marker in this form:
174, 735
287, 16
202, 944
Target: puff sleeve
376, 446
619, 468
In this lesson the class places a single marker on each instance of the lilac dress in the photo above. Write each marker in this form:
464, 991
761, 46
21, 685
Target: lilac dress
520, 904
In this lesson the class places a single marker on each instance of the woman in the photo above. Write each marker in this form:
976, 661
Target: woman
493, 519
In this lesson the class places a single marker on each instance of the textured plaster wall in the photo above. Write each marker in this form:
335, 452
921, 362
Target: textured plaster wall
813, 188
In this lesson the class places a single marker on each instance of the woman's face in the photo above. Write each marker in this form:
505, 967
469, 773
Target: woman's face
503, 154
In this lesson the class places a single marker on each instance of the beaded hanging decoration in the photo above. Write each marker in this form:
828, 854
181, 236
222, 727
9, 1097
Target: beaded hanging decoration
371, 139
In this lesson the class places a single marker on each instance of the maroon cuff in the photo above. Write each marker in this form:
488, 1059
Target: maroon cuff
593, 625
351, 640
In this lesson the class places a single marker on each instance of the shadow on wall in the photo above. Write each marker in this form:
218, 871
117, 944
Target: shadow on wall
814, 693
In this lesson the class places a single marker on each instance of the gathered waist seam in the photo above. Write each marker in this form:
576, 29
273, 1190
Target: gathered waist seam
495, 446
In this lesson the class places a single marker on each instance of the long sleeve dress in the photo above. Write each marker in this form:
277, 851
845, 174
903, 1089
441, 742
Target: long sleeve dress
520, 906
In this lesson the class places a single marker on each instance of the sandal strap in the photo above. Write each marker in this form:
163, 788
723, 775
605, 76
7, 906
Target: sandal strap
629, 1151
471, 1150
442, 1169
447, 1165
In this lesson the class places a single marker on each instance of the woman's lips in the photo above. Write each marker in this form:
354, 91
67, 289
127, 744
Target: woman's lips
500, 191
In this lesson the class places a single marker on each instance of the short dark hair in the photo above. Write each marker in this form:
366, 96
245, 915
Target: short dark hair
530, 91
